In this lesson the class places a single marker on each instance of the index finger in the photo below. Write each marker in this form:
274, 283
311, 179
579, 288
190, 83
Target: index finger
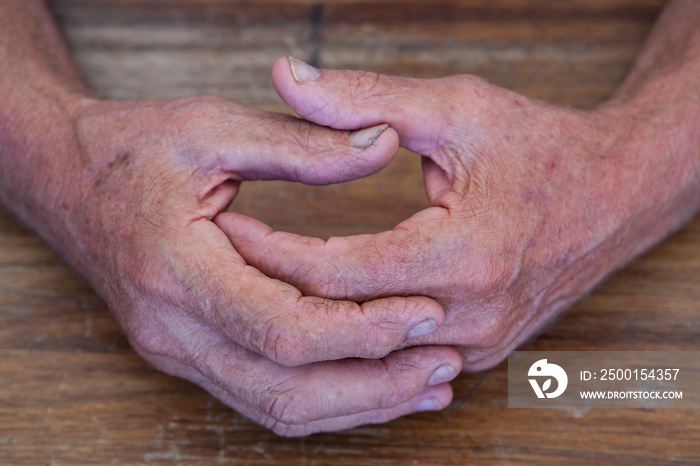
275, 320
411, 259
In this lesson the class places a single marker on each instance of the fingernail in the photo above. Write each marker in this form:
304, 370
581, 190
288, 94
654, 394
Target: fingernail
442, 374
431, 404
303, 72
363, 138
424, 328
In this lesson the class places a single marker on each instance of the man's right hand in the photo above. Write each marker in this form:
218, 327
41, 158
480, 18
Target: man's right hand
154, 176
130, 191
127, 191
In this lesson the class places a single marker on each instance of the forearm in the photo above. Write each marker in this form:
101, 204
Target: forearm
662, 94
659, 103
40, 91
646, 182
34, 55
670, 54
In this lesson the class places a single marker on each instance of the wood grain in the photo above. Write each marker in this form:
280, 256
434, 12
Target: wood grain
73, 392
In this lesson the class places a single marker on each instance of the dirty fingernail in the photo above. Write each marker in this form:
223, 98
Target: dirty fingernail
363, 138
431, 404
303, 72
424, 328
442, 374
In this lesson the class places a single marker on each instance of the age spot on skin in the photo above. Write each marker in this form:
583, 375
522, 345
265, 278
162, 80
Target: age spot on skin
121, 159
553, 165
535, 195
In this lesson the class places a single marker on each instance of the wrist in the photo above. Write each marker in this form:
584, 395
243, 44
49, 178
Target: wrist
40, 160
659, 140
637, 184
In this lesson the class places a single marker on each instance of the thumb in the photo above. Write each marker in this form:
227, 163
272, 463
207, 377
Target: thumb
286, 148
418, 109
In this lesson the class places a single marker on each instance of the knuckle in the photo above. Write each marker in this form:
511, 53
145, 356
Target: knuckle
205, 105
396, 393
481, 360
393, 260
328, 282
210, 99
291, 412
492, 331
416, 307
284, 430
298, 132
281, 342
145, 341
402, 369
500, 320
153, 282
495, 275
199, 113
365, 85
167, 335
384, 326
141, 329
287, 411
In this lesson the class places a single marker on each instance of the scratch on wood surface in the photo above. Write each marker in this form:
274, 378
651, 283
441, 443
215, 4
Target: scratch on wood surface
578, 413
49, 412
338, 451
49, 409
168, 445
260, 448
456, 406
171, 451
499, 450
88, 327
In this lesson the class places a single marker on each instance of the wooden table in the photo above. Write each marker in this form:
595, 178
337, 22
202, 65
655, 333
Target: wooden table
71, 389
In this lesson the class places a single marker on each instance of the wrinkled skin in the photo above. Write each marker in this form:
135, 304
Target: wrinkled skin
126, 192
532, 204
134, 216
